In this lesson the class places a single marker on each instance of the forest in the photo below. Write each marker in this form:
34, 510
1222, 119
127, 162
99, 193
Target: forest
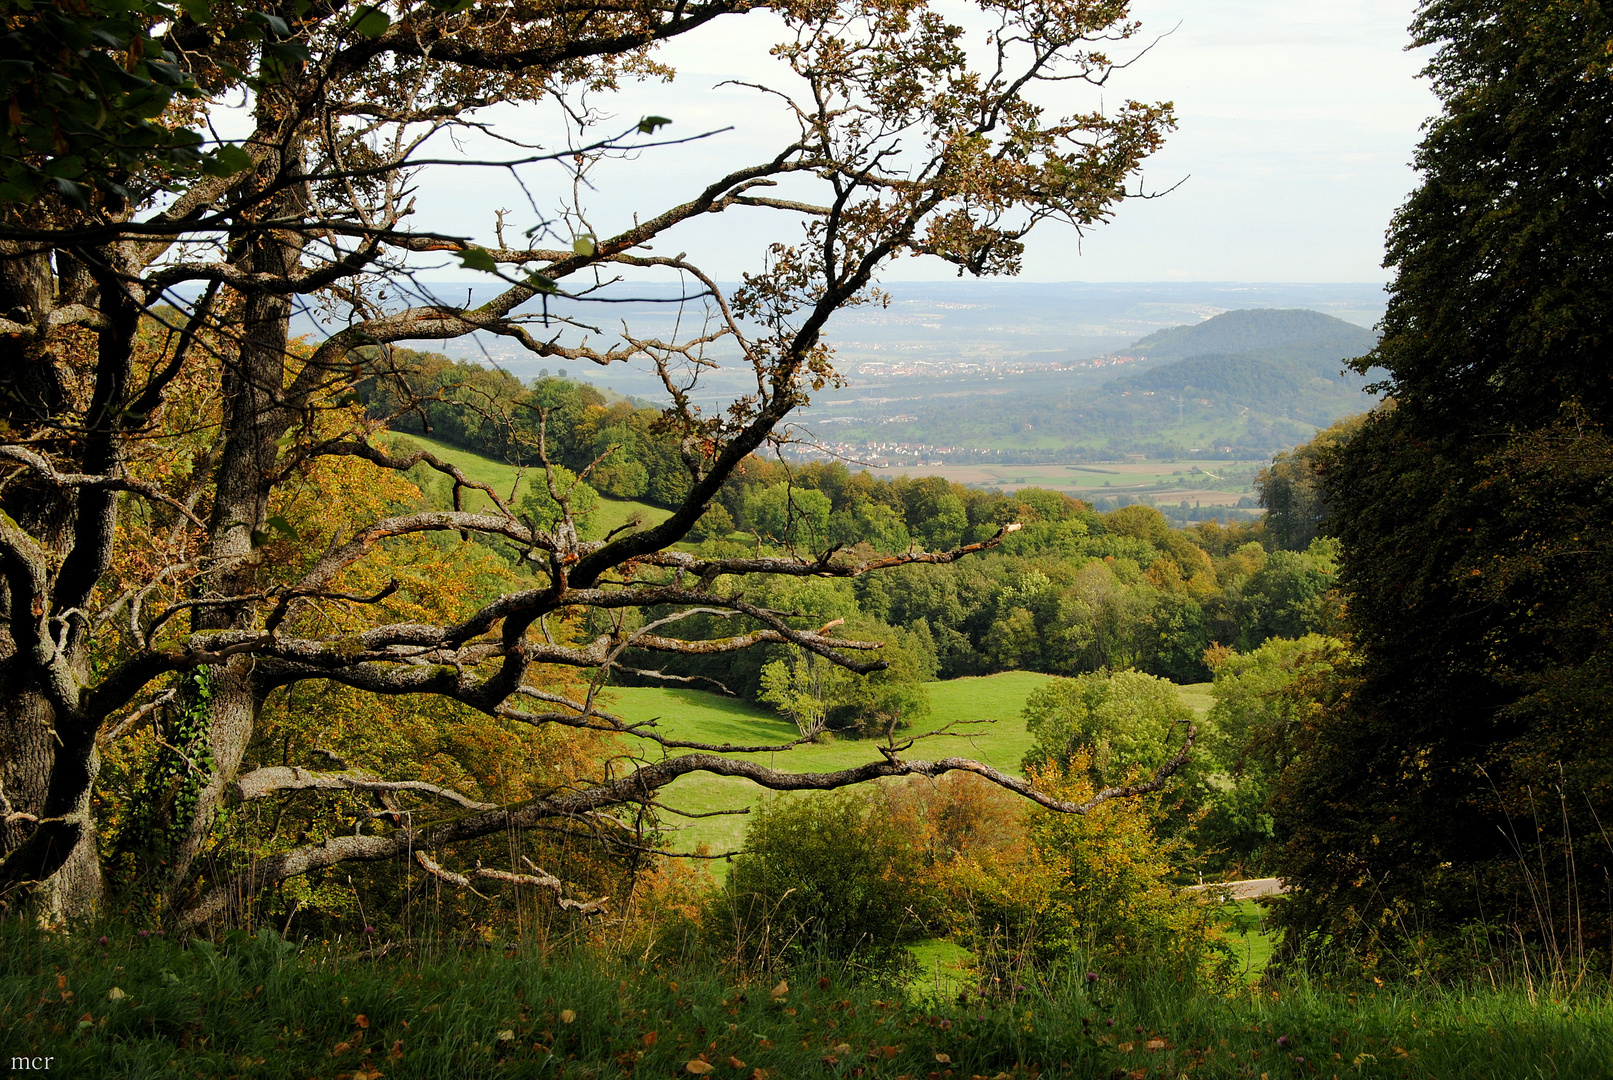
366, 713
1070, 591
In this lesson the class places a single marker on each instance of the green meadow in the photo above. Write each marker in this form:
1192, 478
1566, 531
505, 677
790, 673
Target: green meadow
512, 481
976, 718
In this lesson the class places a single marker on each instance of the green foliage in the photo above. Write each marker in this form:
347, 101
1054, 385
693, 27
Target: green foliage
789, 517
540, 507
865, 521
1111, 872
894, 699
1122, 722
1291, 491
1290, 595
799, 686
1029, 890
816, 695
936, 515
162, 804
92, 91
822, 876
1265, 704
715, 524
1472, 514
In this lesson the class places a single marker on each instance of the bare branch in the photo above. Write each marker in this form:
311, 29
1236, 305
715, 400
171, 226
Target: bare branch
540, 879
44, 470
274, 779
639, 788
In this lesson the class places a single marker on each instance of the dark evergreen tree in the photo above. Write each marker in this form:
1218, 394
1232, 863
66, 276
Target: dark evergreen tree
1474, 511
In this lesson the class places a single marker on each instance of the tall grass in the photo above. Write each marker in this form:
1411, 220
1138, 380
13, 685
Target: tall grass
256, 1006
1542, 946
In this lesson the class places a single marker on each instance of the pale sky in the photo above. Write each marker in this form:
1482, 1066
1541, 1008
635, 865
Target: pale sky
1297, 123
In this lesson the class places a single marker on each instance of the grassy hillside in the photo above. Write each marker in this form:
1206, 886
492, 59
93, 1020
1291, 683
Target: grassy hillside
512, 482
694, 714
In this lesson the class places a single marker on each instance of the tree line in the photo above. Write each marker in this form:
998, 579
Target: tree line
1071, 590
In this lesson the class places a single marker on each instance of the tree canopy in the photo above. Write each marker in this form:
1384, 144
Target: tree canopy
1472, 511
203, 534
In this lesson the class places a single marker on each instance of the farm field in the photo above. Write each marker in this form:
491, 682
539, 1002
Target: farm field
986, 709
1210, 483
511, 482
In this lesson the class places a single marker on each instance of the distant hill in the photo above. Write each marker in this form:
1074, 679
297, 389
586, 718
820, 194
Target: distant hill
1265, 381
1303, 335
1244, 382
1282, 363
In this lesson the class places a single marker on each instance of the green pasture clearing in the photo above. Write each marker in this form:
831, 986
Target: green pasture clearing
511, 482
944, 970
1251, 941
984, 714
1197, 696
614, 513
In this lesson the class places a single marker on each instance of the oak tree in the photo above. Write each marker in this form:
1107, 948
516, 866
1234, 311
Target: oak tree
149, 374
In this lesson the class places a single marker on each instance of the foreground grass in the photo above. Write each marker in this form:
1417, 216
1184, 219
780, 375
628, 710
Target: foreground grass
255, 1008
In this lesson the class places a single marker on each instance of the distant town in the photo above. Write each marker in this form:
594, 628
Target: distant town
954, 369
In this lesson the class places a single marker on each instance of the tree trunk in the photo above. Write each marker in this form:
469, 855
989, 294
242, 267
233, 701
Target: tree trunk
59, 548
256, 416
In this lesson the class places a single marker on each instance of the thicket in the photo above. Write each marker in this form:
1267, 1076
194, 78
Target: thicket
852, 878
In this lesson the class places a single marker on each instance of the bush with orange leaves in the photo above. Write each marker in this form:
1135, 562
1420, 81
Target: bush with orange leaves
1025, 889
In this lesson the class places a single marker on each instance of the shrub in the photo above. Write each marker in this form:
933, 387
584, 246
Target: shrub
823, 876
1108, 881
1121, 720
